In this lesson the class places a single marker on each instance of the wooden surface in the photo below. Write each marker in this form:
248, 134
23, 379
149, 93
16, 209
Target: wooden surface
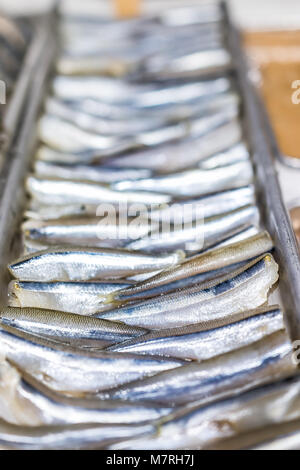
127, 8
277, 54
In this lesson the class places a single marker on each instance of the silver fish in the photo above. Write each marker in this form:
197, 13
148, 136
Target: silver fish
84, 298
199, 234
217, 378
108, 90
204, 341
64, 136
289, 441
163, 158
47, 408
61, 192
201, 427
97, 174
212, 205
235, 154
78, 264
248, 289
84, 436
104, 126
205, 263
195, 182
75, 371
69, 328
197, 64
110, 231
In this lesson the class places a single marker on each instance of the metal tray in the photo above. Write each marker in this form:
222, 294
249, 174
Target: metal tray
274, 215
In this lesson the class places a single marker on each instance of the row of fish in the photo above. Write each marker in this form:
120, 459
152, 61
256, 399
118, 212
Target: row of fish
138, 314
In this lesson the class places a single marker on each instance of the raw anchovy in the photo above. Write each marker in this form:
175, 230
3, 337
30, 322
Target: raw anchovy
197, 64
205, 262
69, 328
216, 378
210, 206
235, 154
61, 192
75, 371
79, 264
198, 234
84, 298
204, 341
195, 182
205, 427
248, 289
107, 127
289, 441
112, 91
46, 407
83, 436
64, 136
96, 174
91, 231
164, 158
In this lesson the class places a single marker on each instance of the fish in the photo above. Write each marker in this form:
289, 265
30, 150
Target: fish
203, 427
105, 126
197, 235
210, 206
78, 264
75, 371
64, 136
203, 263
217, 378
204, 341
164, 158
198, 64
83, 298
70, 328
110, 231
61, 192
83, 436
234, 154
114, 91
194, 182
247, 289
45, 407
96, 174
288, 441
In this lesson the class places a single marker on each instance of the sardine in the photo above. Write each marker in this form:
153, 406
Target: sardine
164, 158
206, 427
79, 264
205, 262
217, 378
195, 182
61, 192
197, 64
76, 330
248, 289
197, 235
64, 136
211, 206
83, 436
96, 174
72, 371
84, 298
90, 231
108, 90
204, 341
45, 407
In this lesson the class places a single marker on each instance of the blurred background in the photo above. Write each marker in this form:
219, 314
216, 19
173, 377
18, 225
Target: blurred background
271, 32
